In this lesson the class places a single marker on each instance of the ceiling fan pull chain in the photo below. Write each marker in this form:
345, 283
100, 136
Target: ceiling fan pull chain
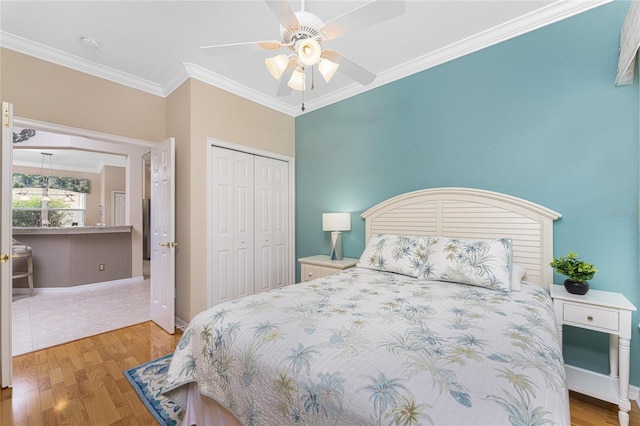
313, 83
302, 107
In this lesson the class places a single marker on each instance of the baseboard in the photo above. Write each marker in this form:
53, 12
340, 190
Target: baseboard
181, 324
105, 284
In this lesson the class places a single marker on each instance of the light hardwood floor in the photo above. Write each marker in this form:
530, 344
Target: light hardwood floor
81, 383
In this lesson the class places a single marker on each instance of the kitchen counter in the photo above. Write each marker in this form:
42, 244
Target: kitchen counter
69, 230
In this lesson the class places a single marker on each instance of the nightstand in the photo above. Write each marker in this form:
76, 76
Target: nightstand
321, 265
606, 312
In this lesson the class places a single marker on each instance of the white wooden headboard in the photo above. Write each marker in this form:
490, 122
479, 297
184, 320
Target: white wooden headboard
476, 214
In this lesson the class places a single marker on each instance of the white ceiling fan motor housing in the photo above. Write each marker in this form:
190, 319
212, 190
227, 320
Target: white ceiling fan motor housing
310, 25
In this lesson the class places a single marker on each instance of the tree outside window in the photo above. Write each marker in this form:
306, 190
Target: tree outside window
34, 212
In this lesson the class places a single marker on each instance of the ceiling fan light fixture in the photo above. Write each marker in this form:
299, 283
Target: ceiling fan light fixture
297, 81
327, 69
277, 65
308, 51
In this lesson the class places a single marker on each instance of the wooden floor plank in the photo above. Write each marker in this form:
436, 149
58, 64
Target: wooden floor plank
82, 383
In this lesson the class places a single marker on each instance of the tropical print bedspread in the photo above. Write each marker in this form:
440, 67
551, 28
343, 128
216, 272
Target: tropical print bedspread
365, 347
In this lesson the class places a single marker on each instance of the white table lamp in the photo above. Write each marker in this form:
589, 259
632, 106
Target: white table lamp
336, 223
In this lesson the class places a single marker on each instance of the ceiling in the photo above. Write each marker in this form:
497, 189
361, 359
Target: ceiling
67, 159
155, 45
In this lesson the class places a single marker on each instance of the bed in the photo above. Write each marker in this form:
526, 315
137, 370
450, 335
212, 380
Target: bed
446, 320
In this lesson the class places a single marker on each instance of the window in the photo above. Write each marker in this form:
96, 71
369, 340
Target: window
65, 208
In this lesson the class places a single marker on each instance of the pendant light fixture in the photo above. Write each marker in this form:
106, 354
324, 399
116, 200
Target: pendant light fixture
68, 198
45, 190
23, 195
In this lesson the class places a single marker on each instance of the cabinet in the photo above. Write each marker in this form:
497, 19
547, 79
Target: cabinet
249, 224
606, 312
313, 267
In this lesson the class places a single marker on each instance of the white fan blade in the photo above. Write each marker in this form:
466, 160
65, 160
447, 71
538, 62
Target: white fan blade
368, 14
283, 88
286, 16
349, 68
252, 46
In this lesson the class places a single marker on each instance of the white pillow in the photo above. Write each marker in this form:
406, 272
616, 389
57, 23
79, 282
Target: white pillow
484, 263
517, 274
402, 254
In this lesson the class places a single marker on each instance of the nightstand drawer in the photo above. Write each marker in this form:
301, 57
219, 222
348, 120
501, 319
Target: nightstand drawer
310, 272
589, 316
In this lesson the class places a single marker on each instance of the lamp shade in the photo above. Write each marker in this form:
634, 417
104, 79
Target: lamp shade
336, 222
327, 69
277, 65
308, 51
297, 80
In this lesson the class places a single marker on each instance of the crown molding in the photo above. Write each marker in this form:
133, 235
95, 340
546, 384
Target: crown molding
547, 15
213, 79
49, 54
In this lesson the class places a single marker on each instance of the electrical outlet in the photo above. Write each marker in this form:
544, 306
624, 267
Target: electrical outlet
101, 267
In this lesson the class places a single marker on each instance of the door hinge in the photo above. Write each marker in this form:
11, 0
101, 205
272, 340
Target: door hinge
6, 116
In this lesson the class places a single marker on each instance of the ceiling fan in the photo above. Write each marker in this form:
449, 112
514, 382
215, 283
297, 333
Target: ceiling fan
303, 33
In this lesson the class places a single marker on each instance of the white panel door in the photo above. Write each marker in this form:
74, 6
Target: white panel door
272, 208
233, 229
119, 203
264, 259
222, 264
243, 211
162, 229
5, 244
280, 238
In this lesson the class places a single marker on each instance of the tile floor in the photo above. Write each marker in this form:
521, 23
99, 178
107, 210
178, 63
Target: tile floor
50, 318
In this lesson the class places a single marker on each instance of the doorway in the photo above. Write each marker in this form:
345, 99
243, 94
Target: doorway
132, 150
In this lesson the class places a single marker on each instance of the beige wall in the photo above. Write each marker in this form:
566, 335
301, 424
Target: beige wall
191, 113
219, 114
179, 126
51, 93
44, 91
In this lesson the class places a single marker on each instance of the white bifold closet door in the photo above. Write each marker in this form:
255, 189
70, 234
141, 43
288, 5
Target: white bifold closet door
250, 220
271, 223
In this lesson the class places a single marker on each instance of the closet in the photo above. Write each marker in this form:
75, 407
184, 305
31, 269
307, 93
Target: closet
249, 224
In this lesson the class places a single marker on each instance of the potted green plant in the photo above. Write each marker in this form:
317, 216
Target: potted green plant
576, 271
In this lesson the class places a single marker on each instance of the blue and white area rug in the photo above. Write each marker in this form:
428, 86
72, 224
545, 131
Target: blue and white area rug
147, 379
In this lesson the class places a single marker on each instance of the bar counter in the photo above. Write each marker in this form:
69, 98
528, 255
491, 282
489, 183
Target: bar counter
76, 255
68, 230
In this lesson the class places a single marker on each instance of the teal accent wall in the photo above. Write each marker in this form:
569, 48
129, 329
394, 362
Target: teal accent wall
536, 117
